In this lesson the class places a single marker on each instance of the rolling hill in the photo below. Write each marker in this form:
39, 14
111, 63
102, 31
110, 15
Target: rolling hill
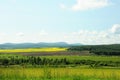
36, 45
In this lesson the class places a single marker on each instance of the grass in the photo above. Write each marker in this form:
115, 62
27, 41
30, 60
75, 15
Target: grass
94, 58
53, 49
68, 57
83, 72
59, 74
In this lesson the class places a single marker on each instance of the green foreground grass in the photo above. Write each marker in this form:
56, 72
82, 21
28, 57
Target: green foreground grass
61, 68
58, 74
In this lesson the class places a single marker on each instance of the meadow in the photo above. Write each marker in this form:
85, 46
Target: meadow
16, 66
59, 74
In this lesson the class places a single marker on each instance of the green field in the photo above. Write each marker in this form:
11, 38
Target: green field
57, 67
59, 74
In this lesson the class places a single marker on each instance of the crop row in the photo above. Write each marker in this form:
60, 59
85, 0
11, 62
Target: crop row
30, 60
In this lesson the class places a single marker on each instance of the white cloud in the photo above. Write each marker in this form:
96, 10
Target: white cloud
103, 34
3, 34
20, 34
90, 37
115, 29
81, 5
89, 4
85, 32
110, 36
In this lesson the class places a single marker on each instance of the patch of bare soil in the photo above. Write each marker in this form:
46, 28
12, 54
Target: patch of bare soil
82, 53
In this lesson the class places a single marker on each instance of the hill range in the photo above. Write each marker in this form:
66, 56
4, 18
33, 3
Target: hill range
36, 45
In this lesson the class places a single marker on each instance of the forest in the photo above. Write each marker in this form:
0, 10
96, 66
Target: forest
98, 49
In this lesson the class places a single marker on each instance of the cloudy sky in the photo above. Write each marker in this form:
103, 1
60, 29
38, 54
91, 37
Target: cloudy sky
72, 21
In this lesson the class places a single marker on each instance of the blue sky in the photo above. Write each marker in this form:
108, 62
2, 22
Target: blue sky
72, 21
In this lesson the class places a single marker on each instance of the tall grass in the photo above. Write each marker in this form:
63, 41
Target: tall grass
58, 74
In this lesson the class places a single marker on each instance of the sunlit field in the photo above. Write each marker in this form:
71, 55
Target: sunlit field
54, 49
59, 74
57, 67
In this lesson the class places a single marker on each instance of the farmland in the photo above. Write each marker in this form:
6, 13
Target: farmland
54, 49
57, 64
59, 40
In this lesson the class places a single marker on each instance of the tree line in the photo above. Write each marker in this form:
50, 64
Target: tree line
31, 60
98, 49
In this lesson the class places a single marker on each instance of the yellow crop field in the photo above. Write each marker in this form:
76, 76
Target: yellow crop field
54, 49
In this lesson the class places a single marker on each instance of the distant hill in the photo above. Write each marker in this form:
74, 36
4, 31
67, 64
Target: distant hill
36, 45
